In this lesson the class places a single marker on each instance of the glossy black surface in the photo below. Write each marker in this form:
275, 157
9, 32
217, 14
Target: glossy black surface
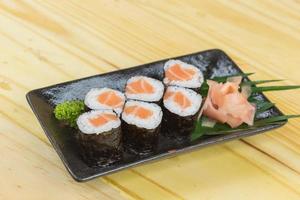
42, 101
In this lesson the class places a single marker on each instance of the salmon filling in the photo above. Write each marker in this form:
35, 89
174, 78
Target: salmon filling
142, 114
98, 121
111, 99
102, 119
105, 99
139, 86
179, 98
177, 73
182, 101
138, 111
144, 88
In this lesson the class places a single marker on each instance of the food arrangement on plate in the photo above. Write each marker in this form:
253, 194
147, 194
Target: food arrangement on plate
113, 121
105, 123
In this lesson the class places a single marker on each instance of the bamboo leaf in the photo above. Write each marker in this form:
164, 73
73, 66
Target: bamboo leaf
263, 106
260, 82
197, 131
220, 129
274, 88
253, 99
224, 78
204, 89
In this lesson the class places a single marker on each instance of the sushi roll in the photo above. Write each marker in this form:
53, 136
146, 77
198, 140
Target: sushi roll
141, 126
99, 137
181, 109
105, 98
178, 73
144, 88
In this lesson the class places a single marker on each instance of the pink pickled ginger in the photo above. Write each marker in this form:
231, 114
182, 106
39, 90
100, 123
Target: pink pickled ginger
226, 104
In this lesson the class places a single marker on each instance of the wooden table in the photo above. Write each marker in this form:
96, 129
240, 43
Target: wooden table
45, 42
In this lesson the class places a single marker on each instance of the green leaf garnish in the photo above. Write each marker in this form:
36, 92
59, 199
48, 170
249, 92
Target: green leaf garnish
224, 78
220, 129
197, 131
261, 82
274, 88
263, 106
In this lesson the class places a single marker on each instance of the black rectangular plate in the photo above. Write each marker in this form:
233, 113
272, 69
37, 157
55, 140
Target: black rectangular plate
42, 101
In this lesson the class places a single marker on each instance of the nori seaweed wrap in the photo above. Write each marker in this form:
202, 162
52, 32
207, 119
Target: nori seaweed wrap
140, 140
141, 126
99, 137
181, 109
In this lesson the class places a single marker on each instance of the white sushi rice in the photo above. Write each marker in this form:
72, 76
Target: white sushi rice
86, 127
151, 97
91, 100
150, 123
196, 80
173, 107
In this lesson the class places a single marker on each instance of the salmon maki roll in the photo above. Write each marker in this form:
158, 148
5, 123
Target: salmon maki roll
181, 109
144, 88
141, 126
178, 73
99, 137
105, 98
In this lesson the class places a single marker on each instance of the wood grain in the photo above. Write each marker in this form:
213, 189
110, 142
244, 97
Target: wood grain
46, 42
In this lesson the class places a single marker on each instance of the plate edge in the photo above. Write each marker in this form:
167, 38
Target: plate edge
52, 141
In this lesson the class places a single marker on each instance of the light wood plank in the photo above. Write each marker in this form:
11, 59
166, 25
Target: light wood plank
45, 42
